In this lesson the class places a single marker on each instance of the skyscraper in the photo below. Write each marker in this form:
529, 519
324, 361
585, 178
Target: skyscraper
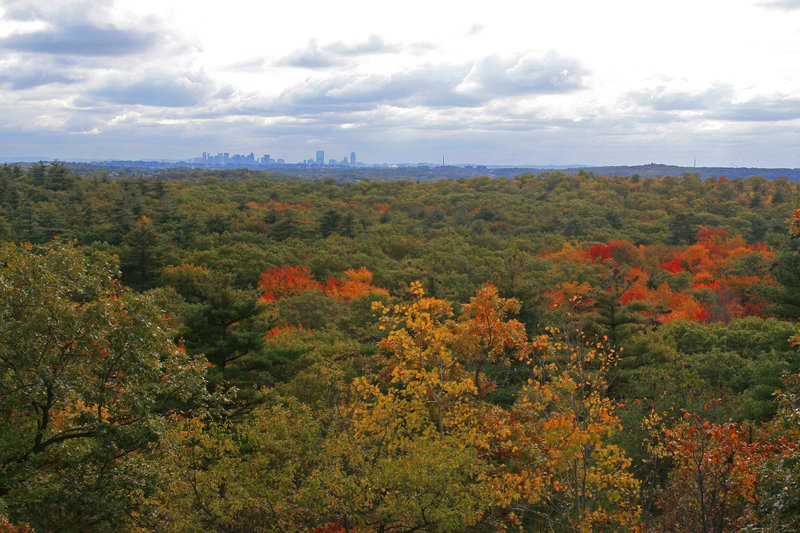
352, 159
320, 157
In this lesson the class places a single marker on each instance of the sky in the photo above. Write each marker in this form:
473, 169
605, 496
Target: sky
617, 82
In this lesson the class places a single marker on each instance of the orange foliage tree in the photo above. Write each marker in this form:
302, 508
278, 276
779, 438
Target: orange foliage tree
484, 335
356, 282
283, 282
717, 278
712, 488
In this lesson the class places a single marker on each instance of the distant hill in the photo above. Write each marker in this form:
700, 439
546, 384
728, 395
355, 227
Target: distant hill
653, 169
422, 173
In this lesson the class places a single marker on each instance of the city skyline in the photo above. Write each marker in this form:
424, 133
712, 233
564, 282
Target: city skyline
574, 82
230, 160
225, 159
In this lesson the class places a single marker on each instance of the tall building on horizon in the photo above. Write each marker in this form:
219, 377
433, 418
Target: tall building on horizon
352, 159
321, 157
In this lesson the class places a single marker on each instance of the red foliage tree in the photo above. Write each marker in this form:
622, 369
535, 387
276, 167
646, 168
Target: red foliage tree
277, 283
674, 266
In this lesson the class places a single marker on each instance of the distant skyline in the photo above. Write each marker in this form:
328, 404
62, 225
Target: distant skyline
620, 82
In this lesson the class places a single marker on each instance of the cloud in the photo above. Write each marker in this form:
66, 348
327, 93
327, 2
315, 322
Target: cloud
761, 110
152, 90
66, 11
30, 72
495, 76
388, 133
82, 124
82, 40
436, 85
373, 45
314, 56
718, 103
28, 78
432, 85
786, 5
663, 99
248, 65
310, 57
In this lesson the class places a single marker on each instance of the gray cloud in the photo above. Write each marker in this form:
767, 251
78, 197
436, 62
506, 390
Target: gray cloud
82, 40
761, 110
314, 56
310, 57
22, 72
429, 86
436, 85
387, 134
495, 76
82, 123
786, 5
717, 103
661, 99
72, 12
153, 90
28, 78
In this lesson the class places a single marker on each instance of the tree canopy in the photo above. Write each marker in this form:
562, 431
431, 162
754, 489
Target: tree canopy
88, 369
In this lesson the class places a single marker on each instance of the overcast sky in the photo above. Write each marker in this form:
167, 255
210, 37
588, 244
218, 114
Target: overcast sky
557, 82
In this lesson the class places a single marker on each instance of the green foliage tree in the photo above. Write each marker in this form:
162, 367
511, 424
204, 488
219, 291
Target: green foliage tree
141, 254
226, 326
683, 229
615, 318
58, 177
779, 489
87, 369
785, 295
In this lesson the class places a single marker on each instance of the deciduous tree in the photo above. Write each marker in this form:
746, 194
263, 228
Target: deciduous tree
86, 369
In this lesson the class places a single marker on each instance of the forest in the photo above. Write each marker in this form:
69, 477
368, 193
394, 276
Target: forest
240, 351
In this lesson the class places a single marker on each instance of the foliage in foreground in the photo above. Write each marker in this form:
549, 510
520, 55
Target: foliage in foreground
88, 370
436, 417
414, 445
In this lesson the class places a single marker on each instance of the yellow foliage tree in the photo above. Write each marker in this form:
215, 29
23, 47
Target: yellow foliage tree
569, 474
417, 446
